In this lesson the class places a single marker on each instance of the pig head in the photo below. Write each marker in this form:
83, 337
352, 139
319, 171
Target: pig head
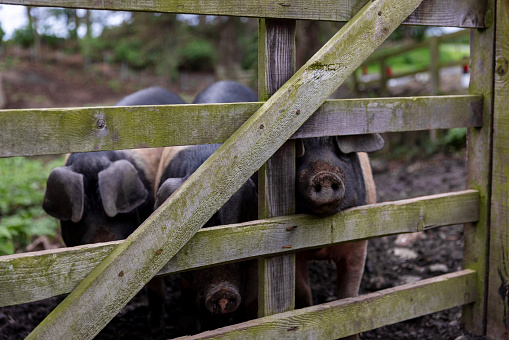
329, 177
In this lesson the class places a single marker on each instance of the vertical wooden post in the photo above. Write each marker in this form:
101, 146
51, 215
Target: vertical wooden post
479, 167
498, 279
276, 179
434, 61
434, 71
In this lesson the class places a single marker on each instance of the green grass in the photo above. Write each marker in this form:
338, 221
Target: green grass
420, 58
22, 185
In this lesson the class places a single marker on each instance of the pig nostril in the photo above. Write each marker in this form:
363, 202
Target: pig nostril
318, 188
335, 187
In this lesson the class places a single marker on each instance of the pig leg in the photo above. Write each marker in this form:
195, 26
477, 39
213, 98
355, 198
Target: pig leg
188, 322
349, 259
303, 297
249, 289
155, 292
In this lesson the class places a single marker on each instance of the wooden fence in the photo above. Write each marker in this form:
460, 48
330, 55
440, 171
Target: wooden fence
101, 279
433, 43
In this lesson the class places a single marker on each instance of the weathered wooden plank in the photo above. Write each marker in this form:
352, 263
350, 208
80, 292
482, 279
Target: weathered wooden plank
345, 317
454, 13
479, 170
56, 131
276, 178
108, 288
498, 280
39, 275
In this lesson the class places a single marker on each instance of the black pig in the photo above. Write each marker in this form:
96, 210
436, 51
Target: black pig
218, 288
104, 196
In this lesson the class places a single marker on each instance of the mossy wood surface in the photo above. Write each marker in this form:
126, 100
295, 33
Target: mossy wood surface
56, 131
345, 317
38, 275
479, 168
454, 13
498, 280
108, 288
276, 178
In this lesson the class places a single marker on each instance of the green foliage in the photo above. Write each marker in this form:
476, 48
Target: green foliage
454, 139
197, 55
2, 34
52, 40
23, 37
21, 193
249, 48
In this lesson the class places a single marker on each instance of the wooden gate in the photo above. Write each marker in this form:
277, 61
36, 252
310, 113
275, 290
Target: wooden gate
101, 279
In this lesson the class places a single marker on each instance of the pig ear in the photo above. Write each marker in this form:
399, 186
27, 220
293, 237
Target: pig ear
299, 148
64, 194
121, 188
360, 143
167, 189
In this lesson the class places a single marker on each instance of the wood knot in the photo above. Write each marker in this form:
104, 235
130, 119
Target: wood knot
100, 123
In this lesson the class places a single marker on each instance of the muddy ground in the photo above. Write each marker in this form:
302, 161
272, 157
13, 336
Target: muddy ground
436, 252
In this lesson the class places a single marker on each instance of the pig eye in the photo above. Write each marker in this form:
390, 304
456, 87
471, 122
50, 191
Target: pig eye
299, 148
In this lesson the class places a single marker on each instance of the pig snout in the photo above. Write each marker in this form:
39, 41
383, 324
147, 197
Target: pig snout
323, 186
222, 298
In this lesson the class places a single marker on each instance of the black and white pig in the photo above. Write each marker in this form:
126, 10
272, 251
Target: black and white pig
332, 174
104, 196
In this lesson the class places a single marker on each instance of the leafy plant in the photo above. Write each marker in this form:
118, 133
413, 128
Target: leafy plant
23, 37
22, 183
197, 55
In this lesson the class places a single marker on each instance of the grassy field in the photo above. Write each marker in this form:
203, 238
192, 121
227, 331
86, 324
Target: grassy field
420, 58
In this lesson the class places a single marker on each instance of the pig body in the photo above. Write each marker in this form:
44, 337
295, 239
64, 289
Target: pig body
210, 293
104, 196
332, 176
349, 258
151, 96
226, 92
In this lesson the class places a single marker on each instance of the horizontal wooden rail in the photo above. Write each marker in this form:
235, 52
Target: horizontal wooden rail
38, 275
453, 13
55, 131
345, 317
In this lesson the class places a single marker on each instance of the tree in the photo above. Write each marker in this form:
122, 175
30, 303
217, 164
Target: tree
32, 24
